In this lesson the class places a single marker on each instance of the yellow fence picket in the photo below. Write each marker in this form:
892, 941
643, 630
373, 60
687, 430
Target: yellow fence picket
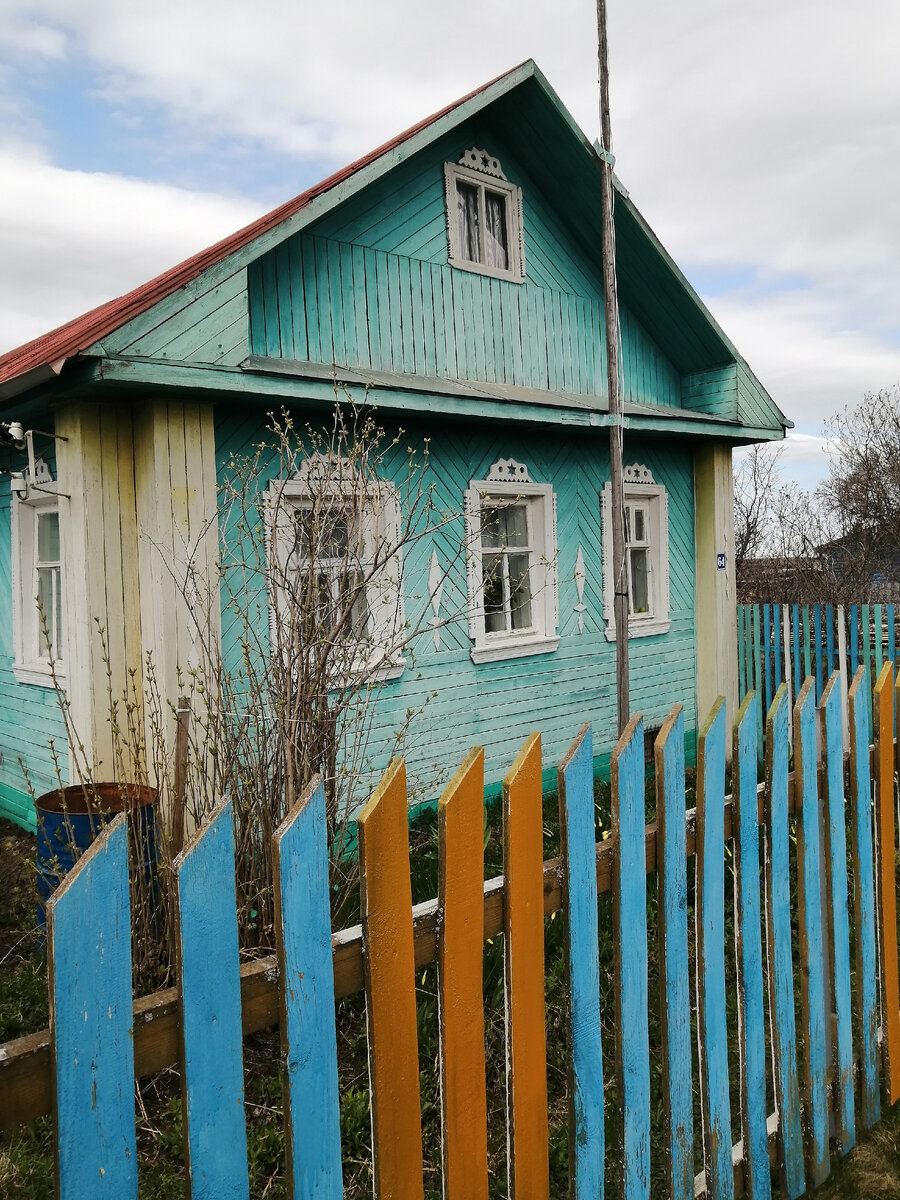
460, 958
389, 963
526, 1029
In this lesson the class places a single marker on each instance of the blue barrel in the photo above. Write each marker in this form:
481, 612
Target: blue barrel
69, 819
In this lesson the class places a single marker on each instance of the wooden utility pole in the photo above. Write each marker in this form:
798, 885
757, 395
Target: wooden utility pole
611, 307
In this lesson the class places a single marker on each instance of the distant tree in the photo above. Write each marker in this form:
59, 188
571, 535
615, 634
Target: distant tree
840, 543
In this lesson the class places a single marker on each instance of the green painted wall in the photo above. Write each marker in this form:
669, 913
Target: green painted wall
30, 716
369, 286
497, 704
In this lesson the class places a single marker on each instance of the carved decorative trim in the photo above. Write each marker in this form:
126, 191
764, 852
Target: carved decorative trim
435, 590
507, 470
580, 577
480, 160
329, 469
42, 473
638, 473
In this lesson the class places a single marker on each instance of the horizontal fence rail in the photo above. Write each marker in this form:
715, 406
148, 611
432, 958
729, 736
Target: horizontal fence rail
840, 809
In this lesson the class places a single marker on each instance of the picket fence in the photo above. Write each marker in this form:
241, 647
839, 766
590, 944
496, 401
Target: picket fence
791, 642
850, 1043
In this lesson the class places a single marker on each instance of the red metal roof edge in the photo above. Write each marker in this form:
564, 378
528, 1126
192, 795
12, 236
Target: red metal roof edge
68, 339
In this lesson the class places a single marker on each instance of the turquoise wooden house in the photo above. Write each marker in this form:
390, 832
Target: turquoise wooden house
455, 273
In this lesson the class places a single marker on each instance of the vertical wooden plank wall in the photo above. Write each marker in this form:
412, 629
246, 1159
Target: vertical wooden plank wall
308, 1038
89, 975
710, 916
781, 973
674, 964
460, 1002
838, 910
864, 908
389, 963
579, 879
212, 1078
526, 1034
883, 713
812, 943
752, 1024
630, 904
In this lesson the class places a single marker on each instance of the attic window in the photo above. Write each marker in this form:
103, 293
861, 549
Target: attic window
484, 217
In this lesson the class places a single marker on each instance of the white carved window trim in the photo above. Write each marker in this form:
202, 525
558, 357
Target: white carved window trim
509, 481
489, 175
640, 488
31, 663
380, 657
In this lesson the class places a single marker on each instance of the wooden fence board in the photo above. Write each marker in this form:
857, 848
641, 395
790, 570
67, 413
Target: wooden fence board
781, 973
460, 1003
89, 972
389, 961
308, 1036
212, 1079
710, 913
674, 963
579, 878
526, 1083
838, 909
630, 905
812, 942
883, 711
752, 1024
864, 907
821, 675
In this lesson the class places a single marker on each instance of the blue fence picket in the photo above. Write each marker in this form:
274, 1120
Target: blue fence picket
864, 906
879, 644
586, 1122
781, 973
630, 900
89, 960
757, 676
674, 966
795, 625
821, 675
752, 1025
853, 634
308, 1038
777, 622
836, 852
812, 940
829, 640
742, 648
711, 954
212, 1037
767, 648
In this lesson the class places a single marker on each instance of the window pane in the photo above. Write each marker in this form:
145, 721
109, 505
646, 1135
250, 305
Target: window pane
495, 241
467, 218
47, 609
494, 609
639, 531
640, 581
353, 601
519, 591
493, 527
48, 537
516, 525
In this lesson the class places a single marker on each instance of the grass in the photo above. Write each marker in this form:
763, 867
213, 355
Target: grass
26, 1162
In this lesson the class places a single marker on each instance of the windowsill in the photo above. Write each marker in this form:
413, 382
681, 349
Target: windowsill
639, 629
363, 676
38, 675
466, 264
513, 648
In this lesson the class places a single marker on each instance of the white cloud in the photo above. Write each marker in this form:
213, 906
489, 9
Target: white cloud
71, 240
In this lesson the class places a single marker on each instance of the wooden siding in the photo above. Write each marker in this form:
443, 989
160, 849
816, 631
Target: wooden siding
30, 716
498, 704
369, 286
207, 323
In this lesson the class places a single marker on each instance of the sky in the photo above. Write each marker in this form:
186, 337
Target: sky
760, 140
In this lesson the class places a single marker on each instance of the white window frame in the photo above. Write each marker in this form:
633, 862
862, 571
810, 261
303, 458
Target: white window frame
30, 664
642, 491
492, 179
380, 657
540, 501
